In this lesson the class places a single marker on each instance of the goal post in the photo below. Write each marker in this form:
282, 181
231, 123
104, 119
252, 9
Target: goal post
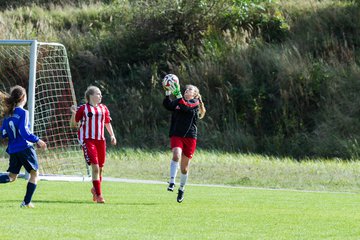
43, 69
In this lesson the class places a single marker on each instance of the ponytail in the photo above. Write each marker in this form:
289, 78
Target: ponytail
202, 107
3, 96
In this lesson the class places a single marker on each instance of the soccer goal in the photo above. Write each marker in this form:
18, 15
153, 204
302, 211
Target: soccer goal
43, 69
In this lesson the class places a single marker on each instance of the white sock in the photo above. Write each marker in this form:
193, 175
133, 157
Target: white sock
183, 180
173, 170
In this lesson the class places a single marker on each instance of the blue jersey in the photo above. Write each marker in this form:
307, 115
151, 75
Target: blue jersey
17, 129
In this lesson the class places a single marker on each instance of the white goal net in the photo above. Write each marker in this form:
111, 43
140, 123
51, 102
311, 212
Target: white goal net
43, 69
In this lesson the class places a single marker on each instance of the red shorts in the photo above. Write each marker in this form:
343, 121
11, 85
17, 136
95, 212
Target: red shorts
94, 151
188, 145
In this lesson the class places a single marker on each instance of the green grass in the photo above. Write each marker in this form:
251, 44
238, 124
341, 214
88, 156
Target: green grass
147, 211
215, 167
234, 169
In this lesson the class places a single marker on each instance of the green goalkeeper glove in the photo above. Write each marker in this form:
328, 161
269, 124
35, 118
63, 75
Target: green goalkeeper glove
175, 88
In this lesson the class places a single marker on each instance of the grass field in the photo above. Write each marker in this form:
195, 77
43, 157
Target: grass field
64, 210
237, 169
249, 205
233, 169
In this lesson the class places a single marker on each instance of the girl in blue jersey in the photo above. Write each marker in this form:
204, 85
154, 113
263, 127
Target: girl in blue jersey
15, 127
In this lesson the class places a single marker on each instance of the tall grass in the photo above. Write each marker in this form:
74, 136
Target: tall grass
214, 167
232, 169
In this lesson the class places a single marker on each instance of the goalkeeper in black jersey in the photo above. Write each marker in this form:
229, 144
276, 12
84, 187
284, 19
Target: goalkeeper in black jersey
183, 131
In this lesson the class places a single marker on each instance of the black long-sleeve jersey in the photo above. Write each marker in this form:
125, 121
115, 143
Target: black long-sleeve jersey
184, 116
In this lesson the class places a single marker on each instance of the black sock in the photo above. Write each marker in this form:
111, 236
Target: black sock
30, 189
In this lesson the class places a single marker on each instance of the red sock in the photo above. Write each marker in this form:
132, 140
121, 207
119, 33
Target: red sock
97, 186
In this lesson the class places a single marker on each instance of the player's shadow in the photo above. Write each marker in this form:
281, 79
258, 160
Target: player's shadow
46, 201
62, 201
82, 202
91, 203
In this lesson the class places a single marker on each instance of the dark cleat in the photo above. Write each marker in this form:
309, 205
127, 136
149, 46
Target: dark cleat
171, 187
180, 196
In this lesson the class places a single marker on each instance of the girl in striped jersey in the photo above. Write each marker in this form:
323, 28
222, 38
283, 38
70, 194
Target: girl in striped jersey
94, 117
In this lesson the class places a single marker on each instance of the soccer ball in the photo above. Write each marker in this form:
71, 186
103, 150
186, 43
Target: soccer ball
169, 80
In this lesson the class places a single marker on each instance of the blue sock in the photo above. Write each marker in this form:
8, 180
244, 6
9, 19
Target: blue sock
30, 189
4, 178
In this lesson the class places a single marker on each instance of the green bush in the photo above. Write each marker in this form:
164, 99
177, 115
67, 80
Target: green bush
276, 79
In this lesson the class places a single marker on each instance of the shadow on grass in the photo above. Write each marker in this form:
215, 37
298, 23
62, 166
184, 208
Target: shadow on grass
6, 203
78, 202
46, 201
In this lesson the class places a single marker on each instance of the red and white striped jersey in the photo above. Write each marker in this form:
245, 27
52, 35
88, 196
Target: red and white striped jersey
93, 120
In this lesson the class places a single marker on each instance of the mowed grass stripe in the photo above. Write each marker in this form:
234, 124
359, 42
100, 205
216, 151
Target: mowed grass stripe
147, 211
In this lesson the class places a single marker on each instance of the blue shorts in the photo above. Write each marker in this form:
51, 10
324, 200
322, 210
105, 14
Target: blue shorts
26, 158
